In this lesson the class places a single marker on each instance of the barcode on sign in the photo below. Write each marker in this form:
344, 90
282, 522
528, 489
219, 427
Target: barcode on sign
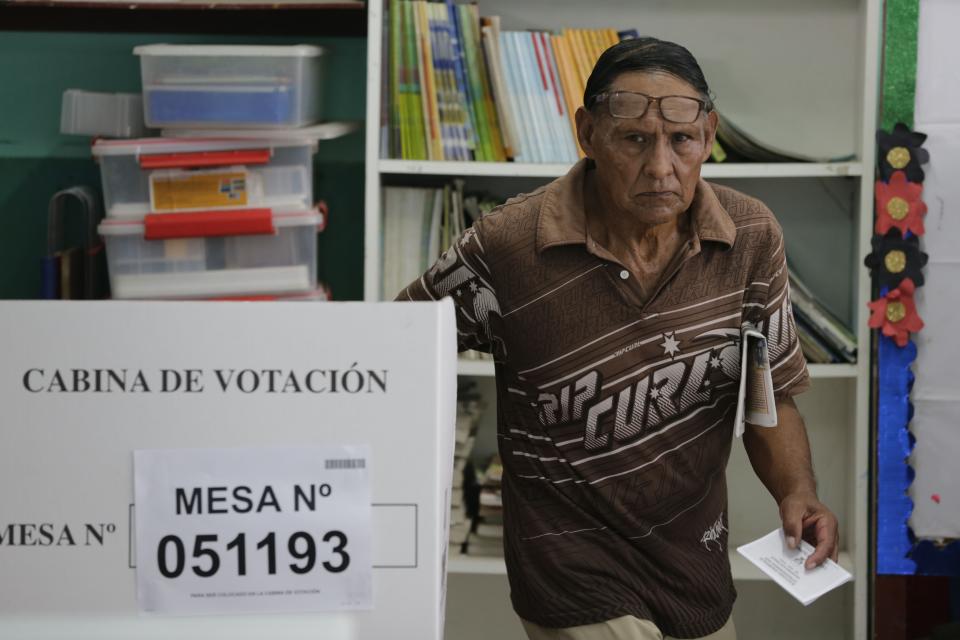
346, 463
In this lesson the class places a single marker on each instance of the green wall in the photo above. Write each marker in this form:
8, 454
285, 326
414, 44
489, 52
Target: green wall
36, 160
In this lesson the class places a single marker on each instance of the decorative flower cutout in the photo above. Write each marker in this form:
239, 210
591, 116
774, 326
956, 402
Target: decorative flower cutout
896, 313
899, 205
895, 258
901, 151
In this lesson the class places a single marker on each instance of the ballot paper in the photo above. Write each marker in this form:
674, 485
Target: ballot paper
785, 565
755, 401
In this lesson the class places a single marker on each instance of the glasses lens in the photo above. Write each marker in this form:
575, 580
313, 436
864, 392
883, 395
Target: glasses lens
679, 109
627, 105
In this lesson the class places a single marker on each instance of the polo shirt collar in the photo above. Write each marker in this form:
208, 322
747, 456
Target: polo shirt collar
562, 220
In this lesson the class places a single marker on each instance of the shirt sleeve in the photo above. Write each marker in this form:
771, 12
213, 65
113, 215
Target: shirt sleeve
769, 309
462, 274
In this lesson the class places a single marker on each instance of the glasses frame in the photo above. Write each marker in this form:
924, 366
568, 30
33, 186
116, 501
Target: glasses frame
606, 95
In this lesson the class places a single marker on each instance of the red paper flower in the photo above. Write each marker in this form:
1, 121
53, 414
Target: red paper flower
896, 314
899, 205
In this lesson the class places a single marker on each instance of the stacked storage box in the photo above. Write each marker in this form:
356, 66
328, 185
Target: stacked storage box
213, 217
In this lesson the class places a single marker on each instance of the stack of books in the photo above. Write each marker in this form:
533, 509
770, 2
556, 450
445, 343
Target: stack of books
487, 537
459, 88
824, 339
418, 224
469, 410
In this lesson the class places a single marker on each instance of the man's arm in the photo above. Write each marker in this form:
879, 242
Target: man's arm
781, 458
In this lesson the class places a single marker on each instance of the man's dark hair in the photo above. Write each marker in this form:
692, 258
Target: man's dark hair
645, 54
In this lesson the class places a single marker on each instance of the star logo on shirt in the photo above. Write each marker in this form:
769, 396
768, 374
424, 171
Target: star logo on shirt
671, 346
715, 362
467, 236
473, 287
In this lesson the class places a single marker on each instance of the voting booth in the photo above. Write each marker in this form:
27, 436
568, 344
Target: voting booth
225, 470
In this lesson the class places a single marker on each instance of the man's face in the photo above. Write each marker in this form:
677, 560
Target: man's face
648, 168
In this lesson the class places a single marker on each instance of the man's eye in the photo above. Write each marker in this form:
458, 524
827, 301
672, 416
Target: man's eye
681, 137
636, 137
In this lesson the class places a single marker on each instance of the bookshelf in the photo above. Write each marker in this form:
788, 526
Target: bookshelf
799, 76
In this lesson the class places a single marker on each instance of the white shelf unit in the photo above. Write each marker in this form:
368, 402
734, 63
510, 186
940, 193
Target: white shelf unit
485, 368
799, 76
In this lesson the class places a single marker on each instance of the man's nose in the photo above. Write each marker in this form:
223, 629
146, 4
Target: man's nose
659, 161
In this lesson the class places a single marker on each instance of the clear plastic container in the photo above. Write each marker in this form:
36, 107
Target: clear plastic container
213, 254
161, 175
90, 113
230, 86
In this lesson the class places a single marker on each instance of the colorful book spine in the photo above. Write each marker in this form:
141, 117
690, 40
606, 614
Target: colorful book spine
579, 55
522, 151
545, 106
612, 37
599, 44
457, 105
496, 136
566, 138
430, 84
414, 93
471, 51
491, 49
445, 101
567, 81
463, 82
400, 145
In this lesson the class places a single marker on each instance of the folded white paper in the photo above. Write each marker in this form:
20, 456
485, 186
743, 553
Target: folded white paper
785, 565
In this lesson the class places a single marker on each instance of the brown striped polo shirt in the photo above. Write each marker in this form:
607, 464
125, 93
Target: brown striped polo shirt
615, 409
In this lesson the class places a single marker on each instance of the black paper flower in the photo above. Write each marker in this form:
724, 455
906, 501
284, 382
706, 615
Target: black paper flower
895, 258
901, 151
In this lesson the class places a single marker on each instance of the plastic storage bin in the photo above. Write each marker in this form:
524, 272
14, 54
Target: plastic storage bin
161, 175
91, 113
231, 86
212, 254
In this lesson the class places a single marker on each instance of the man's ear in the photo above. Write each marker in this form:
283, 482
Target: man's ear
710, 133
586, 127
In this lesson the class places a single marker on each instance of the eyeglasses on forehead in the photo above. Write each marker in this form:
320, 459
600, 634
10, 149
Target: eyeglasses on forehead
630, 104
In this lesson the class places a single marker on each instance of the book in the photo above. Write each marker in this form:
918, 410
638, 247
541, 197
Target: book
490, 32
742, 147
463, 84
410, 92
820, 321
567, 81
428, 75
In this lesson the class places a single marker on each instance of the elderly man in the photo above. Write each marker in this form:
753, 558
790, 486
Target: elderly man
612, 300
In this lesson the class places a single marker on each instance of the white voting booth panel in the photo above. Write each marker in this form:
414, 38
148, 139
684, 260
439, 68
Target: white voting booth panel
82, 386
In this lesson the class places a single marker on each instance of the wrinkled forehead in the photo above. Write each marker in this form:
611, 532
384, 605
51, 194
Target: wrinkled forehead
653, 83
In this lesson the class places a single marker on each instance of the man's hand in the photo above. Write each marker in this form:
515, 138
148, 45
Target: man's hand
803, 515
